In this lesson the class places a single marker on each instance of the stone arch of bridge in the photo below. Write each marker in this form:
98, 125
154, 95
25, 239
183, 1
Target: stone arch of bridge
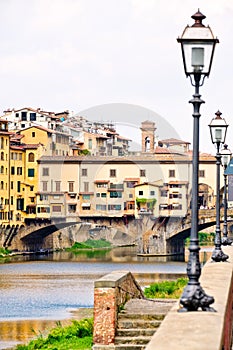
185, 233
47, 230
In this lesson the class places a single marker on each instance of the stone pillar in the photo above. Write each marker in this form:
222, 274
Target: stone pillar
111, 292
104, 316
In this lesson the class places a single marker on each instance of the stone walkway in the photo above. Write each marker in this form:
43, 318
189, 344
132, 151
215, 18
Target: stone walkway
149, 306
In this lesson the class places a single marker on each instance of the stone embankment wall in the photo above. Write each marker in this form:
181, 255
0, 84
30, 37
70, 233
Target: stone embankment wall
110, 293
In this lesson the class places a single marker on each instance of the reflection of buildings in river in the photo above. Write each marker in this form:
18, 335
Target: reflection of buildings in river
24, 330
204, 254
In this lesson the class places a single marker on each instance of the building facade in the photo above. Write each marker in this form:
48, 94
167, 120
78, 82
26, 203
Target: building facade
87, 187
41, 179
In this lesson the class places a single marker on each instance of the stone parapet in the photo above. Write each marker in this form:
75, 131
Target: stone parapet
200, 330
110, 294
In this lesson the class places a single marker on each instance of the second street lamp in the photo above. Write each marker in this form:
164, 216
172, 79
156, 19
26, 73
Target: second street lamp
226, 157
197, 45
218, 130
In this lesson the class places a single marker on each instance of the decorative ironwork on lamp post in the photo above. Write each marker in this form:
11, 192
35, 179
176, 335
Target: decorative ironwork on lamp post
197, 45
218, 130
226, 157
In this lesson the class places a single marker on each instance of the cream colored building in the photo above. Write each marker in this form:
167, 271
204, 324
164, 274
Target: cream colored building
87, 187
147, 198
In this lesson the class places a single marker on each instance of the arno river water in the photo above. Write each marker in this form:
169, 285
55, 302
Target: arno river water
37, 291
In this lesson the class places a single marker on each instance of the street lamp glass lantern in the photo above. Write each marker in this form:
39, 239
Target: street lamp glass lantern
197, 45
218, 129
226, 156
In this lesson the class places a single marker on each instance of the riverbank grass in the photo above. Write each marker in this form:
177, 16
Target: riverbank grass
4, 252
166, 289
77, 336
90, 244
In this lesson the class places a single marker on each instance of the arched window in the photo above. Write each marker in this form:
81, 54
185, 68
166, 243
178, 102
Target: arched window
2, 143
31, 157
2, 169
147, 144
2, 185
2, 155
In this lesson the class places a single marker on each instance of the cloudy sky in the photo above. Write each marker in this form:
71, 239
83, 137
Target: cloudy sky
77, 54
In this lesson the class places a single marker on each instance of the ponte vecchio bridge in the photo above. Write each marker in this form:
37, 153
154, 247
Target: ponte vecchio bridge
154, 236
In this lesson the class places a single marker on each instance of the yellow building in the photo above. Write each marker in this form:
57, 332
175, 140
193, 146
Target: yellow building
31, 182
19, 178
55, 143
23, 183
5, 214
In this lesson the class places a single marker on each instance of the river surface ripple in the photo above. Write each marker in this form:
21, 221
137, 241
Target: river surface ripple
36, 291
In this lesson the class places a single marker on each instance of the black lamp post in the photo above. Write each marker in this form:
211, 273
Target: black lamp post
218, 130
197, 45
226, 157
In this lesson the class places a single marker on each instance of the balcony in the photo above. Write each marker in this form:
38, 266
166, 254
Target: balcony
116, 187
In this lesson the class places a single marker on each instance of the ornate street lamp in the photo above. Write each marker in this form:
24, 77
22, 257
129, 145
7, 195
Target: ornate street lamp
197, 45
218, 130
226, 157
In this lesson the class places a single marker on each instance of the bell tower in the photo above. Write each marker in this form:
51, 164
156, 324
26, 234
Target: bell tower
148, 136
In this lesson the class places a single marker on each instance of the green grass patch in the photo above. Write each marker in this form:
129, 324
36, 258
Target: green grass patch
78, 245
166, 289
99, 243
77, 336
90, 244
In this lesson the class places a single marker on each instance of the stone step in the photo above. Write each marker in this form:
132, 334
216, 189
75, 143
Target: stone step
120, 347
136, 323
129, 347
132, 340
135, 332
139, 316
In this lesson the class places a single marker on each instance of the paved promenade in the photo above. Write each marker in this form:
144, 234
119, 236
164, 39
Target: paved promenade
202, 330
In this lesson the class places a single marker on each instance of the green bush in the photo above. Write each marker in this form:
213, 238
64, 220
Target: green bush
166, 289
204, 238
84, 152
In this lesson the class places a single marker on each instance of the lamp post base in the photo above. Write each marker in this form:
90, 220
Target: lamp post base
218, 255
226, 241
194, 298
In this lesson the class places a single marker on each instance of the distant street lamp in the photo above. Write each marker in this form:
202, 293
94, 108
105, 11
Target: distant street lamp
197, 45
218, 130
226, 157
